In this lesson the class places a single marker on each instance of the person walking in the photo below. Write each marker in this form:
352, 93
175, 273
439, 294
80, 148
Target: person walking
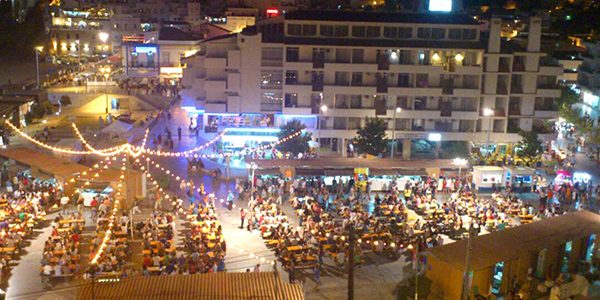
242, 217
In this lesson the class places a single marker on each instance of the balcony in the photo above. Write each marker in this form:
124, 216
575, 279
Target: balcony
215, 84
215, 63
270, 107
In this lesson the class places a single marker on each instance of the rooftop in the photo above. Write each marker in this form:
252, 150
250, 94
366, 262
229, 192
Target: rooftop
381, 17
175, 34
511, 243
221, 285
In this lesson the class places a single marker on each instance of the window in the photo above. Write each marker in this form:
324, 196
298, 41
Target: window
357, 78
455, 34
373, 31
405, 32
291, 77
424, 33
341, 78
271, 97
309, 30
438, 33
390, 32
341, 31
334, 31
294, 29
270, 79
358, 31
358, 56
291, 100
327, 30
469, 34
292, 54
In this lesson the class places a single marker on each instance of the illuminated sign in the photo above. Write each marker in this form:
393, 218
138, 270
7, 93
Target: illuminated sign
434, 137
272, 12
145, 49
440, 5
139, 38
171, 70
590, 99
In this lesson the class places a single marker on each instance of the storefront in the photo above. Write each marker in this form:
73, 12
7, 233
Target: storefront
485, 178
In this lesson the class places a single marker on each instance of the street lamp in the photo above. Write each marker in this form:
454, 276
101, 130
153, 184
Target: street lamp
397, 110
252, 166
103, 37
78, 54
488, 112
460, 162
323, 109
38, 50
106, 72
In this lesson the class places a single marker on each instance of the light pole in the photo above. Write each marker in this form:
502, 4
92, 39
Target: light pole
322, 110
460, 162
103, 37
38, 50
78, 54
106, 72
415, 250
397, 110
252, 166
488, 112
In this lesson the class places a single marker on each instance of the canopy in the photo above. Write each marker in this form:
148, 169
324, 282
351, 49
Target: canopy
117, 127
209, 286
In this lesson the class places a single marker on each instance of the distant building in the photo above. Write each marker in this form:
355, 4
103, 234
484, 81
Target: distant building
589, 82
429, 75
159, 54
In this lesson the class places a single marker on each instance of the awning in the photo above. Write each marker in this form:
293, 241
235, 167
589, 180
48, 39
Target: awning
339, 172
310, 172
221, 285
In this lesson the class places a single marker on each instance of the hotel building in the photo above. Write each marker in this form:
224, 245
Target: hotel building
434, 77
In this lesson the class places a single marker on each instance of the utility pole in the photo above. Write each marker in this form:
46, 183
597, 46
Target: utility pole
351, 263
466, 275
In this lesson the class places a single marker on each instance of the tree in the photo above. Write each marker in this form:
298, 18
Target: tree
567, 98
390, 5
298, 144
371, 137
453, 149
530, 144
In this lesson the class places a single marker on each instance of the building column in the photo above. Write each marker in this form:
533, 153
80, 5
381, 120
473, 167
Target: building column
438, 147
406, 148
343, 144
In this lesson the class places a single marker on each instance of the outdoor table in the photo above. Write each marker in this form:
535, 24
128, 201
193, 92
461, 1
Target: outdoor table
69, 221
120, 233
297, 248
10, 250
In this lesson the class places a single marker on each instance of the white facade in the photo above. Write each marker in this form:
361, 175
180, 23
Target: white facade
422, 77
589, 81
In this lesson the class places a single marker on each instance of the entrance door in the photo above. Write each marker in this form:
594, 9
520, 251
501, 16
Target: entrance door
497, 277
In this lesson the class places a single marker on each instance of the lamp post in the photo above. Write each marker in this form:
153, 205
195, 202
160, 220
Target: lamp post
415, 250
252, 166
78, 54
106, 72
103, 37
38, 50
488, 112
397, 110
460, 162
323, 109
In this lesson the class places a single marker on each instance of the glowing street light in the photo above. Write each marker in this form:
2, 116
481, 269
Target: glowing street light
488, 112
460, 162
106, 72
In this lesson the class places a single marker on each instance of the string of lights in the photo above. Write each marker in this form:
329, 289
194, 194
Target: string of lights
111, 220
170, 173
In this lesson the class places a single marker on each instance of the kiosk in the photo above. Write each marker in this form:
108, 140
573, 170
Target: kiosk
519, 178
486, 177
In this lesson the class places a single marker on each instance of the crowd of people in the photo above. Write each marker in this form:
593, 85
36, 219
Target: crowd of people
61, 249
159, 253
204, 243
113, 257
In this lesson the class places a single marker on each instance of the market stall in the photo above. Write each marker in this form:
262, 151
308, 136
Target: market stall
519, 178
485, 178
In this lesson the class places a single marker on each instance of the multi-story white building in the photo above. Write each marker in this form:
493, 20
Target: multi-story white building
431, 76
589, 82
